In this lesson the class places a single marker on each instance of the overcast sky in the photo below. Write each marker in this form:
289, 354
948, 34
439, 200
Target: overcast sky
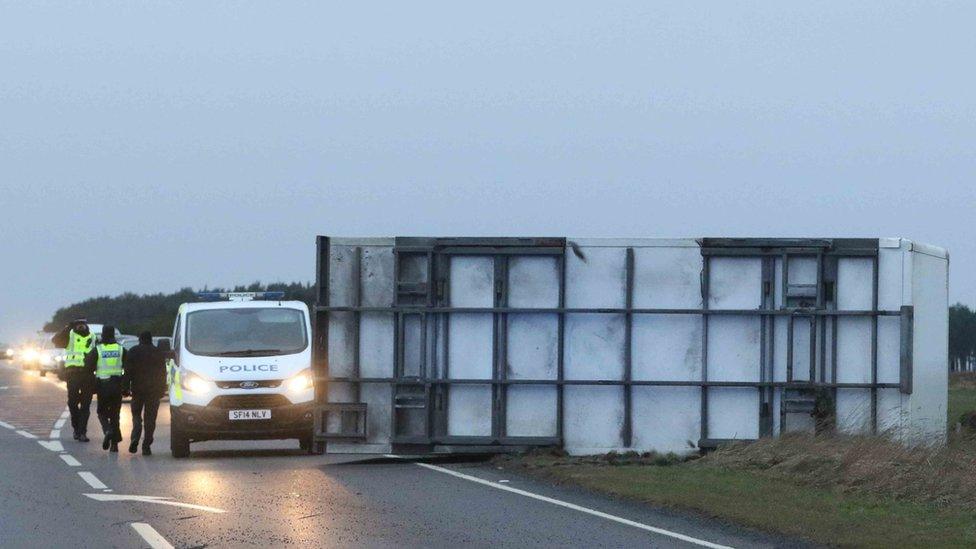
147, 148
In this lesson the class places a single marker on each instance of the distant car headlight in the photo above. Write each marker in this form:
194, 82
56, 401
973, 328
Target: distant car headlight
300, 381
29, 355
10, 353
195, 384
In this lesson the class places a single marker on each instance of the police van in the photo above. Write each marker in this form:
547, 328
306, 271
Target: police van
240, 369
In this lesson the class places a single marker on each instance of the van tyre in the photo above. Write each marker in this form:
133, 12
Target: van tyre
179, 443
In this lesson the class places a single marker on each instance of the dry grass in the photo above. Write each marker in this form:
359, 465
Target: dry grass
852, 491
963, 380
869, 466
843, 491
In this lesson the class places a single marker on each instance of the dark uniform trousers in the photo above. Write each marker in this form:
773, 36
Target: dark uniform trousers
110, 406
150, 405
80, 386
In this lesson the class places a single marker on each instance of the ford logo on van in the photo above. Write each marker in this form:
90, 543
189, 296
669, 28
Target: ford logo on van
249, 384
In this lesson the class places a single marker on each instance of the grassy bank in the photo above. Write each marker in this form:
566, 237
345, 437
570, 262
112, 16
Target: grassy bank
962, 396
837, 490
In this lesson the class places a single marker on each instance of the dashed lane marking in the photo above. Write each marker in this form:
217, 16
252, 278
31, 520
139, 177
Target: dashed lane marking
151, 536
6, 425
574, 507
92, 480
55, 433
60, 422
52, 445
153, 499
25, 434
65, 415
70, 460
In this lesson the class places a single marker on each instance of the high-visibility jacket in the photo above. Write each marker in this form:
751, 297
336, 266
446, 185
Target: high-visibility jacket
78, 347
109, 360
173, 377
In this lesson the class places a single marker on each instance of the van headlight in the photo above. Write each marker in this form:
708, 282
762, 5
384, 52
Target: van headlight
300, 381
195, 384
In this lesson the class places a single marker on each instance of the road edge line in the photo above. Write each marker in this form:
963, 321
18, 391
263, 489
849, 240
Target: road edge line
151, 536
574, 507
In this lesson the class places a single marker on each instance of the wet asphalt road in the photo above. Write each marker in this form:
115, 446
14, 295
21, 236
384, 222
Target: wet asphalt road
272, 495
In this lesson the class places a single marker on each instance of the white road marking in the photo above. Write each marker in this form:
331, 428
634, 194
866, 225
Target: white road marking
65, 414
574, 507
25, 434
55, 433
70, 460
151, 536
92, 480
4, 388
6, 425
60, 423
153, 499
52, 445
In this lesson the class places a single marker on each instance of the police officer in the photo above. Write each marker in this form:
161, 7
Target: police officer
107, 359
77, 342
145, 377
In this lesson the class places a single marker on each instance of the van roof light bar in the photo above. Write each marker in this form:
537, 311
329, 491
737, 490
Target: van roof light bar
239, 296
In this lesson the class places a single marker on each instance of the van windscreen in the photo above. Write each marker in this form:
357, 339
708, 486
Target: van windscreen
246, 332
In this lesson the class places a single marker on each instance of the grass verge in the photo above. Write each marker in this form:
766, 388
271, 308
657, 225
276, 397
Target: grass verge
755, 498
962, 396
838, 490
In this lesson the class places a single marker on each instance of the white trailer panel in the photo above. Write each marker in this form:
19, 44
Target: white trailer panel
450, 344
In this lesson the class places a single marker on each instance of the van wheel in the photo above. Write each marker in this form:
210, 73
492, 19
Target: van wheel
179, 444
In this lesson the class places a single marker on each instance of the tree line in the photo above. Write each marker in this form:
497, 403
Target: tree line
962, 338
132, 313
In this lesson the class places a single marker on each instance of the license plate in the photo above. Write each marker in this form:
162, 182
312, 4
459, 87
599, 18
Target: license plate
250, 414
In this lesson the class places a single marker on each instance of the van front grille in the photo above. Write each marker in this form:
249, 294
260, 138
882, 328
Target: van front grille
249, 401
248, 384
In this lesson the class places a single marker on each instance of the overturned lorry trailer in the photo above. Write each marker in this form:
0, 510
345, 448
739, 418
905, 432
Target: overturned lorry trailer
597, 345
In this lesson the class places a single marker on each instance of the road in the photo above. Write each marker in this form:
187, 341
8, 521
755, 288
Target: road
56, 492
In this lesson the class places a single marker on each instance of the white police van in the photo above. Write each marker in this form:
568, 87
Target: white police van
241, 369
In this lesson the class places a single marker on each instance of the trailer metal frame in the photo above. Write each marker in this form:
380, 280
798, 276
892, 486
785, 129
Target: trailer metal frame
426, 392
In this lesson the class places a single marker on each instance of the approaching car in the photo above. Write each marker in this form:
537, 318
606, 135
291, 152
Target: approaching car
40, 355
131, 341
119, 336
